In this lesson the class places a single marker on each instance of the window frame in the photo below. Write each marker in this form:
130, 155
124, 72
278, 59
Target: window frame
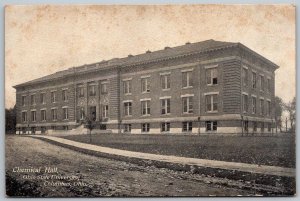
43, 115
187, 79
254, 105
165, 104
127, 108
211, 126
105, 110
147, 109
65, 96
165, 81
53, 96
254, 80
145, 84
24, 118
165, 127
212, 103
127, 87
189, 104
65, 113
245, 103
209, 74
145, 127
187, 126
54, 114
23, 100
32, 99
33, 115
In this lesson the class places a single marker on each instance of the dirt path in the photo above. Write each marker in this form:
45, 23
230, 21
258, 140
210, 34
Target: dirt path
101, 176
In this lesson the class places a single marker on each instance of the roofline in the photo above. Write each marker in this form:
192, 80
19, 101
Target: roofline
127, 65
229, 45
258, 55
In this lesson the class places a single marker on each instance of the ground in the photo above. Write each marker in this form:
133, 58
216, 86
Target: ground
264, 150
103, 177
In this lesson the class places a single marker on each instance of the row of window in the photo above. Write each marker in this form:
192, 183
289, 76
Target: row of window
261, 78
65, 114
211, 102
254, 105
92, 89
165, 127
255, 126
187, 81
43, 97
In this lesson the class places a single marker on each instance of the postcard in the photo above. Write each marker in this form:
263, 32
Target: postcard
177, 100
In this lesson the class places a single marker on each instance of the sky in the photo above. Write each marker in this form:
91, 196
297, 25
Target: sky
40, 40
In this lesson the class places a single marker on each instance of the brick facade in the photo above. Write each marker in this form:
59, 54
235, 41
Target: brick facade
205, 87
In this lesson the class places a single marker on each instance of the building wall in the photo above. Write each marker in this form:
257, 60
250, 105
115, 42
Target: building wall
230, 89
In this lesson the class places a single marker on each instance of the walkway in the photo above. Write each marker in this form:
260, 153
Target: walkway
244, 167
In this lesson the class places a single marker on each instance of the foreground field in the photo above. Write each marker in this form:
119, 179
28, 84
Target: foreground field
274, 151
101, 176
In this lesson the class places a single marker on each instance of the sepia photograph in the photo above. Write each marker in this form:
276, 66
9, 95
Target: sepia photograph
158, 100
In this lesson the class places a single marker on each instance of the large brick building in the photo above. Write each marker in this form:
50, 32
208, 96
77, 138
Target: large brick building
204, 87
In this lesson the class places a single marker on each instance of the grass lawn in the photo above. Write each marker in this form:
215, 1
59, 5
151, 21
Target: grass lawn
274, 151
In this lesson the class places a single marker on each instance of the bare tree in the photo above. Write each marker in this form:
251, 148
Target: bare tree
279, 106
290, 107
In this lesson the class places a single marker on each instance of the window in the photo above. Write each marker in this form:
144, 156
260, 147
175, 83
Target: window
24, 116
262, 108
43, 98
33, 116
187, 104
211, 76
269, 108
82, 113
102, 126
127, 128
53, 128
187, 126
246, 125
262, 83
65, 113
146, 127
253, 105
105, 111
32, 99
165, 106
253, 80
23, 100
211, 103
53, 96
128, 108
65, 128
269, 127
262, 126
245, 103
54, 114
145, 85
43, 115
127, 86
254, 126
187, 79
92, 90
165, 81
245, 76
269, 84
145, 107
165, 127
81, 91
211, 125
65, 95
104, 88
